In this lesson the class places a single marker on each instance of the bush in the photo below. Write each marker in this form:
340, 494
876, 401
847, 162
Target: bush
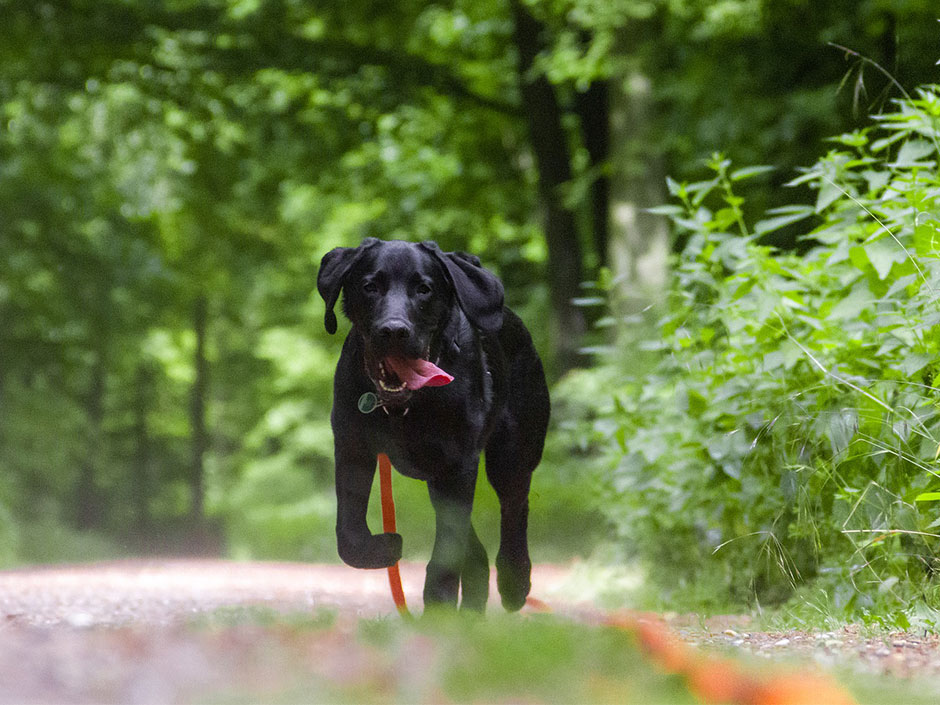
790, 429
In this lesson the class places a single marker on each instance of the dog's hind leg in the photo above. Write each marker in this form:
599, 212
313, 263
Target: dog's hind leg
475, 575
513, 451
511, 482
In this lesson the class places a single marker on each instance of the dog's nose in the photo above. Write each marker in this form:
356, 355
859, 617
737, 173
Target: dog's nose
395, 330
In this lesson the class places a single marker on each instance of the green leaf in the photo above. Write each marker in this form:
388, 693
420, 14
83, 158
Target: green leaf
587, 301
912, 364
676, 189
809, 175
724, 219
850, 306
743, 288
698, 404
927, 238
750, 172
858, 138
701, 189
900, 284
912, 152
876, 179
927, 497
829, 193
786, 356
769, 225
666, 210
881, 144
883, 254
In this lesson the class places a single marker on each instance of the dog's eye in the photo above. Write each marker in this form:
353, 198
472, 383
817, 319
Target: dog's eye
423, 289
370, 287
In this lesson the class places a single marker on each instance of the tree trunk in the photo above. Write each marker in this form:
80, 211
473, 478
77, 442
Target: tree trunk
593, 107
553, 162
88, 510
141, 471
639, 243
200, 440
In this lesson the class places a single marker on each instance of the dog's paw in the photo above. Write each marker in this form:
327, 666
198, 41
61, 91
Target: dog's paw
390, 549
372, 551
513, 579
441, 586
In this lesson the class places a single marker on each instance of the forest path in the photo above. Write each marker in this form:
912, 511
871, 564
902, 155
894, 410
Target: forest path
147, 631
166, 592
163, 631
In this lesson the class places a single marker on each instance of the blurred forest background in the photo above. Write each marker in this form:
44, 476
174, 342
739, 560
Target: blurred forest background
172, 171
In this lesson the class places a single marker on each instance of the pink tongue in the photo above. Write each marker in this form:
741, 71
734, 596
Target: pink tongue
418, 373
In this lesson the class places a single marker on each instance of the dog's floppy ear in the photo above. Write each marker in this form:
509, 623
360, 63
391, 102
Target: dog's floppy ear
479, 292
334, 267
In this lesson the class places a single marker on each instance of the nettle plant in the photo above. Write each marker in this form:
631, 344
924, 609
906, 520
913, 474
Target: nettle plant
790, 432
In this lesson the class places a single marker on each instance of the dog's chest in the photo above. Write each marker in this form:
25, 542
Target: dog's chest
425, 445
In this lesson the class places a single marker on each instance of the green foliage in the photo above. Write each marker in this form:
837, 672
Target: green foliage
791, 429
155, 155
198, 153
761, 80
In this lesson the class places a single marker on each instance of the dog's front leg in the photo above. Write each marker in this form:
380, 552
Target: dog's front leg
357, 545
452, 499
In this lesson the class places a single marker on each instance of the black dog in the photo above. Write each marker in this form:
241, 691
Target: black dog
434, 371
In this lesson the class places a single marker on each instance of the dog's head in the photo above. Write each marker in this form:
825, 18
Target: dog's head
399, 296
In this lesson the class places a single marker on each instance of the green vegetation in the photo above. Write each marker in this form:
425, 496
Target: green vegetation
172, 171
789, 433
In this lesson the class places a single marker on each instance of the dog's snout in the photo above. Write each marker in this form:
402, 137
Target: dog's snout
395, 331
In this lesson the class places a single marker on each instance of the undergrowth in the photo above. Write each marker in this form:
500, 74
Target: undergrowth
786, 443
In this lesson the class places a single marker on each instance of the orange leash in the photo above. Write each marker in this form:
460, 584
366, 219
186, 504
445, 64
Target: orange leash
388, 526
713, 679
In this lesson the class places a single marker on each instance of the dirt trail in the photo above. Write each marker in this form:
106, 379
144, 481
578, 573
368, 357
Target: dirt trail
128, 631
123, 631
166, 592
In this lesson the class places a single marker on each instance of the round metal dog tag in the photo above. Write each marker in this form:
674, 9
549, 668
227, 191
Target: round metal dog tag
367, 403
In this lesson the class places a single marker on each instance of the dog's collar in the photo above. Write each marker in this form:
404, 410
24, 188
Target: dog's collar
370, 401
